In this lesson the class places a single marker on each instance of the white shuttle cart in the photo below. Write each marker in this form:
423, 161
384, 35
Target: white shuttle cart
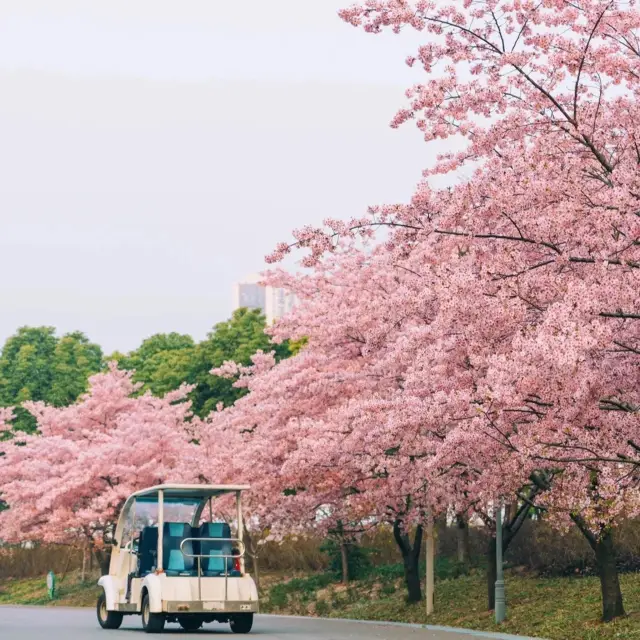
171, 563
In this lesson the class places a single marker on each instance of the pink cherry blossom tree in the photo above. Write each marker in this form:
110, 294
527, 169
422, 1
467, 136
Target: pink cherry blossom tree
540, 247
69, 480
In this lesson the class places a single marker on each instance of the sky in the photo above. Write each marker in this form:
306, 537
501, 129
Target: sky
153, 152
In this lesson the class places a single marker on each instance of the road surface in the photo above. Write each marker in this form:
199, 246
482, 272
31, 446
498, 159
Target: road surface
36, 623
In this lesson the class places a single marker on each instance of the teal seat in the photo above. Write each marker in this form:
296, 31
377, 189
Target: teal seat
174, 562
214, 566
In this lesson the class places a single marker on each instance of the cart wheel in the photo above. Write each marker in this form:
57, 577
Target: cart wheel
242, 623
190, 623
107, 619
151, 622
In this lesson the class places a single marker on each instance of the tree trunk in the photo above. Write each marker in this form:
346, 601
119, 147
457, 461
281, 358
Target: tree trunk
440, 533
256, 570
344, 559
612, 606
464, 552
83, 574
410, 559
253, 549
67, 563
412, 579
103, 556
602, 545
492, 574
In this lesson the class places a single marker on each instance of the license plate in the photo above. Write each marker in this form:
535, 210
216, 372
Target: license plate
213, 606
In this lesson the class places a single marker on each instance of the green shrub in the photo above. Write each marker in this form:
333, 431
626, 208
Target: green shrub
278, 596
448, 568
310, 584
358, 562
388, 588
389, 572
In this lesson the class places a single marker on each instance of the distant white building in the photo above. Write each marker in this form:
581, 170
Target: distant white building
274, 302
249, 295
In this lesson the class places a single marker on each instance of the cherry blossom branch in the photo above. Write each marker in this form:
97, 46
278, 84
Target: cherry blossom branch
620, 314
585, 530
582, 61
626, 347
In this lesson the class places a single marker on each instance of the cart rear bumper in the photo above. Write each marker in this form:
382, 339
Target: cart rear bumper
176, 606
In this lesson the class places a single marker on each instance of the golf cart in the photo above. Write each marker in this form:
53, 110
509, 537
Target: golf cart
172, 563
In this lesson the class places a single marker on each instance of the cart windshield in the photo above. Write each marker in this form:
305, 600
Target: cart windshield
143, 512
174, 510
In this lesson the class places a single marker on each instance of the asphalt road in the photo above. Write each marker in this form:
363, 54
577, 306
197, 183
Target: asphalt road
34, 623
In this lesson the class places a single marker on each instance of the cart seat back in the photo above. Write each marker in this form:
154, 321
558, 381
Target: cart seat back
147, 549
214, 566
176, 563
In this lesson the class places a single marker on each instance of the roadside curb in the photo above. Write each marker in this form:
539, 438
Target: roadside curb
426, 627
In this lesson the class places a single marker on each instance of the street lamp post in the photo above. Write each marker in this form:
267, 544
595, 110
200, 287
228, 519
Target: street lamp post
499, 593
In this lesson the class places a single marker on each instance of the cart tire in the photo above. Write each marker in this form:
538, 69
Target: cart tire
242, 623
151, 622
189, 623
107, 619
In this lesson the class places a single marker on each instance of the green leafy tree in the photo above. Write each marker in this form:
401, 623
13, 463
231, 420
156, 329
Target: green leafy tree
164, 361
74, 360
37, 365
236, 339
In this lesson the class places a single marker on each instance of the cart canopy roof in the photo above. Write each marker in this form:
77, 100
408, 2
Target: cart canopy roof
193, 491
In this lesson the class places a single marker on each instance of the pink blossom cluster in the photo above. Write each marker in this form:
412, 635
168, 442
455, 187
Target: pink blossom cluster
68, 481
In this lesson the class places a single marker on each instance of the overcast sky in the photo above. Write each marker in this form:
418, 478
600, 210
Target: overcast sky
154, 151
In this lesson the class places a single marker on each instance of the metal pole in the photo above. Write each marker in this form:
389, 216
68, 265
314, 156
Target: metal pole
499, 594
240, 526
160, 529
430, 564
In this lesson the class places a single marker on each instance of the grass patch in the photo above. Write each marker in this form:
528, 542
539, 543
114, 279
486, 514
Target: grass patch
33, 591
553, 608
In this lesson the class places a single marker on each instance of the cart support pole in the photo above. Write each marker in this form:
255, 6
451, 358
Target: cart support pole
240, 525
160, 528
